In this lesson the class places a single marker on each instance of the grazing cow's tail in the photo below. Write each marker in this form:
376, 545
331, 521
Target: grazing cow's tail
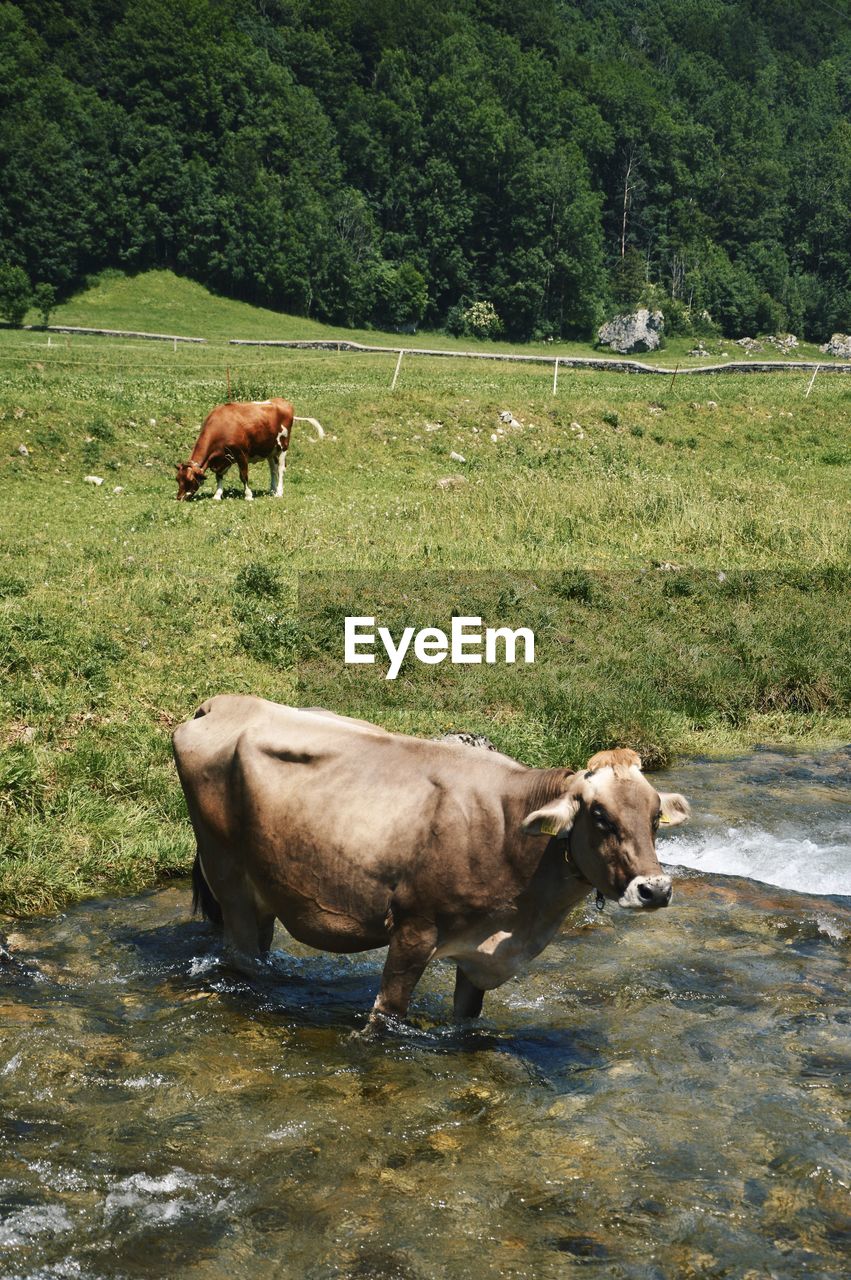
202, 895
320, 434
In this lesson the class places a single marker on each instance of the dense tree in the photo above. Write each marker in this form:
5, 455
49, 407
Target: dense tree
15, 293
395, 161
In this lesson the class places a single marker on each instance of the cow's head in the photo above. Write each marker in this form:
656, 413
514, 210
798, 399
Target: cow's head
189, 477
610, 814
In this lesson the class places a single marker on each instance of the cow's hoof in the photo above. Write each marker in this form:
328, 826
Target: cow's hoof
249, 497
217, 497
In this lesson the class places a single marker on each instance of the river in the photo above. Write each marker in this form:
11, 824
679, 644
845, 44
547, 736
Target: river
659, 1097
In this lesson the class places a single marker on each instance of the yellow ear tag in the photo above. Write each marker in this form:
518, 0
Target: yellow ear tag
664, 821
550, 826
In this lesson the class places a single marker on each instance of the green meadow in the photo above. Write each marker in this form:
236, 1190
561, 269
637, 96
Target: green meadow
681, 546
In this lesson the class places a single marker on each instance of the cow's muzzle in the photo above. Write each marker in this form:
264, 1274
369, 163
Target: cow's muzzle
647, 892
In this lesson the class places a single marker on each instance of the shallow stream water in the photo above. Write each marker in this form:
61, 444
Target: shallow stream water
660, 1097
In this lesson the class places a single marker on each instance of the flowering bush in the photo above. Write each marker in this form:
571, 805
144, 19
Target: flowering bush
481, 320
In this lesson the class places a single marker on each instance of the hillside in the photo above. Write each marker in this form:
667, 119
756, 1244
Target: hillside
389, 164
161, 302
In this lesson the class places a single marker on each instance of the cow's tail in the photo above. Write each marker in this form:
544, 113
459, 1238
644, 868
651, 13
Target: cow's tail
202, 895
320, 434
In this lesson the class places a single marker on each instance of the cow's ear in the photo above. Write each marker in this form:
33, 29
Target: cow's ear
675, 808
554, 819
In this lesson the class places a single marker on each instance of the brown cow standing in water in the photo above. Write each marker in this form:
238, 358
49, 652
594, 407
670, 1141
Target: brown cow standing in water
241, 433
355, 838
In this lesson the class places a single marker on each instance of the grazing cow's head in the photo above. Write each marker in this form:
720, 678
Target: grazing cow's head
610, 814
189, 477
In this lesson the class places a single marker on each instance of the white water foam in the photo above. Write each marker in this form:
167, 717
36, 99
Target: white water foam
37, 1220
153, 1199
782, 858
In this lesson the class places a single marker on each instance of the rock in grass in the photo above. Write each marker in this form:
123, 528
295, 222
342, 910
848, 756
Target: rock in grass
23, 451
451, 482
839, 345
92, 479
457, 457
637, 331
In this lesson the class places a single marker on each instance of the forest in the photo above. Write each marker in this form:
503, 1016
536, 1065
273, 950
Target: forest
394, 162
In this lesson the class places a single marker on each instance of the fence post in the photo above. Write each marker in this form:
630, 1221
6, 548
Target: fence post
555, 377
398, 367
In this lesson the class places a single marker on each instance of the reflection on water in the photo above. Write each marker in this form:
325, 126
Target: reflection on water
660, 1097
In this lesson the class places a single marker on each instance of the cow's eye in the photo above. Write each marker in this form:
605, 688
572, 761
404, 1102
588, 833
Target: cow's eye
601, 820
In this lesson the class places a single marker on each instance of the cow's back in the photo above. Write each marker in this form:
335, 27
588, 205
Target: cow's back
301, 794
252, 427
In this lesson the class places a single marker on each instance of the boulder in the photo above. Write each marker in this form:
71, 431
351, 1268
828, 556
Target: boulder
749, 344
782, 341
839, 345
638, 331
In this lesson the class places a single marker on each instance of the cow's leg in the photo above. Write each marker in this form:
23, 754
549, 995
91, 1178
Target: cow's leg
247, 930
468, 998
220, 480
242, 463
277, 467
412, 945
265, 930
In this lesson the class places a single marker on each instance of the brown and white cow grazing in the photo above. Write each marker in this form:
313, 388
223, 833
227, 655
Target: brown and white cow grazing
354, 838
241, 433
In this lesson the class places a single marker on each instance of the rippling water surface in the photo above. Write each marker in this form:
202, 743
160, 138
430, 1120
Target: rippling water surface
659, 1097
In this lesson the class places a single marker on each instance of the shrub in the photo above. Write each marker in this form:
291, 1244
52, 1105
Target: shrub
401, 296
44, 301
481, 320
15, 294
258, 579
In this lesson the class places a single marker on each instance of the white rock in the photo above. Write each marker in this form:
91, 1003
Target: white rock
839, 345
92, 479
636, 331
23, 451
457, 457
152, 422
494, 437
119, 488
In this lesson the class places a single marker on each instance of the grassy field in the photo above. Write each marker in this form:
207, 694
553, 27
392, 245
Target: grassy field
121, 610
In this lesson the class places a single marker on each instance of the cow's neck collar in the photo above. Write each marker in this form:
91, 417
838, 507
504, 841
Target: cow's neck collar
600, 899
